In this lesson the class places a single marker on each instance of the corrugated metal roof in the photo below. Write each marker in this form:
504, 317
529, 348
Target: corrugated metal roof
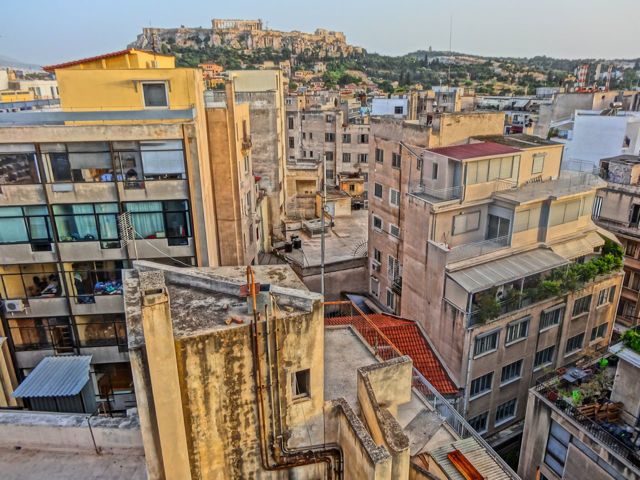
475, 453
578, 247
56, 377
474, 150
508, 269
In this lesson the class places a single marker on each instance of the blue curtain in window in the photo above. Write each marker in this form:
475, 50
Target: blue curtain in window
147, 219
75, 222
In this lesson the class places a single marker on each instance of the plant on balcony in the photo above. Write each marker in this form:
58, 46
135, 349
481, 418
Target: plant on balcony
487, 305
631, 339
547, 289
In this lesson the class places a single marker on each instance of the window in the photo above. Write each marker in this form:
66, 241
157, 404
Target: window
544, 357
365, 177
292, 142
301, 384
168, 219
330, 174
517, 330
603, 296
363, 138
155, 94
379, 155
18, 165
599, 332
78, 162
26, 225
329, 137
42, 333
391, 300
394, 197
481, 385
490, 170
434, 171
398, 110
498, 227
346, 138
247, 164
328, 118
148, 160
612, 294
511, 372
393, 268
479, 422
597, 207
290, 122
87, 222
396, 160
466, 222
564, 212
377, 190
249, 203
485, 343
39, 280
394, 230
377, 256
363, 157
527, 219
538, 163
374, 285
581, 305
310, 135
304, 135
506, 411
631, 248
551, 317
377, 223
90, 279
557, 448
346, 158
101, 330
574, 343
328, 156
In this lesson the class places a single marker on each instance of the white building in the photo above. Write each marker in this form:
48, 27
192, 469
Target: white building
396, 107
600, 134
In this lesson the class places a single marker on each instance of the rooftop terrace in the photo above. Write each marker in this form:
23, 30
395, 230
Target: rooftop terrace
569, 183
518, 140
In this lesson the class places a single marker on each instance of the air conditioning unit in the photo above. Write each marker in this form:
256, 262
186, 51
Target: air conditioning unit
14, 306
375, 266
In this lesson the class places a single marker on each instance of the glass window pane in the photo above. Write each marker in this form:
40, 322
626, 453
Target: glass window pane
106, 207
18, 168
10, 212
40, 228
472, 171
13, 230
494, 169
108, 227
154, 94
483, 171
506, 167
35, 210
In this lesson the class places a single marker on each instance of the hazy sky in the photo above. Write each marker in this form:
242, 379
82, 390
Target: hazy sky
51, 31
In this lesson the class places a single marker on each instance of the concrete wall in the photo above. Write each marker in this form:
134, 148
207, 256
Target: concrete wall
348, 276
386, 106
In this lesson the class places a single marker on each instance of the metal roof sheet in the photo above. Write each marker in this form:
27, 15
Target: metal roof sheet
475, 453
475, 150
56, 377
578, 247
508, 269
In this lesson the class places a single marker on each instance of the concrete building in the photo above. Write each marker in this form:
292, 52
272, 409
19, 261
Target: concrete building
317, 129
582, 422
596, 134
396, 107
229, 128
42, 89
232, 385
124, 172
617, 209
263, 90
395, 161
496, 249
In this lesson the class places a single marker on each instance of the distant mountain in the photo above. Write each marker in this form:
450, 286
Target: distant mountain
13, 63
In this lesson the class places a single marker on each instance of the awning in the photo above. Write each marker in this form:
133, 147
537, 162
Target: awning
578, 247
508, 269
56, 377
607, 234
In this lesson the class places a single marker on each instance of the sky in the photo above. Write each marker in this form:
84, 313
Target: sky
52, 31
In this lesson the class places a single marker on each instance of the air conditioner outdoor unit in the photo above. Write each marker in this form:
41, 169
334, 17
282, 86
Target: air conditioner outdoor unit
14, 306
375, 266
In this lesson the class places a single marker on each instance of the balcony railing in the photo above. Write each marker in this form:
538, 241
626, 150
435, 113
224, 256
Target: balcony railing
476, 249
386, 350
442, 194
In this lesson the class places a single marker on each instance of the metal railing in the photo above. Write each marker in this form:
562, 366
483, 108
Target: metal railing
442, 194
476, 249
585, 423
386, 350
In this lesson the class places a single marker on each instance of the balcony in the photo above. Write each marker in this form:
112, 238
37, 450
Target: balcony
60, 118
477, 249
438, 195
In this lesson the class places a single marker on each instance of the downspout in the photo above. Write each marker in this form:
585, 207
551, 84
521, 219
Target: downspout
331, 454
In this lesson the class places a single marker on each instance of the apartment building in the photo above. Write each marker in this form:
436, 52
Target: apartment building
583, 423
229, 127
505, 269
263, 90
122, 173
267, 391
333, 131
617, 209
395, 162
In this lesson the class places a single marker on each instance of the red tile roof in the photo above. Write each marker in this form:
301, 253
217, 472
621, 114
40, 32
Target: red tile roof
51, 68
473, 150
409, 340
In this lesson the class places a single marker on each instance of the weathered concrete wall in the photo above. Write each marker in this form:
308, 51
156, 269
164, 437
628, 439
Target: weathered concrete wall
69, 432
351, 276
456, 128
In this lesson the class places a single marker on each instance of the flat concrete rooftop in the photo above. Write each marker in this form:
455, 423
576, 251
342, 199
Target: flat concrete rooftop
569, 183
341, 241
48, 465
518, 140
